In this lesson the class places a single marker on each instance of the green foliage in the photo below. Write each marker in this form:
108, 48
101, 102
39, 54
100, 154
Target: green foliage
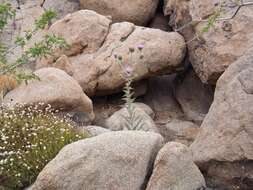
29, 139
6, 13
211, 21
38, 50
45, 19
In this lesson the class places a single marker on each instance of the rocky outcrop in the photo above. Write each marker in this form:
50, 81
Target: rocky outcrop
118, 121
138, 12
194, 97
54, 87
222, 44
174, 169
96, 53
115, 161
224, 146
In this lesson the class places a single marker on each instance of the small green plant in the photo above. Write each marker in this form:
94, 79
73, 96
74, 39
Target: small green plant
6, 13
133, 121
29, 139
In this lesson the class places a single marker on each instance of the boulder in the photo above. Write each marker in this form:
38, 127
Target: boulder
174, 169
118, 121
194, 97
180, 131
224, 146
84, 31
95, 51
221, 45
54, 87
115, 161
138, 12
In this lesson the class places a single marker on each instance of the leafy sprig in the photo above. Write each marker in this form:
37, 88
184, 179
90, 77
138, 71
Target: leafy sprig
38, 50
6, 13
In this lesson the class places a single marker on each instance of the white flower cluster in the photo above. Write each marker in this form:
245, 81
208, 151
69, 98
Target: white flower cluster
30, 136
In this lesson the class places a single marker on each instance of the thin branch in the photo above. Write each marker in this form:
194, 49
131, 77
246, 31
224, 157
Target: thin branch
194, 22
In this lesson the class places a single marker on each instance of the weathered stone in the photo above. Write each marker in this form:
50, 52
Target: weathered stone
225, 142
174, 169
138, 12
115, 161
105, 75
56, 88
221, 45
84, 31
162, 52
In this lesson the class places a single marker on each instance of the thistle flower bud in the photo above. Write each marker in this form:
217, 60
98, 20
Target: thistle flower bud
131, 49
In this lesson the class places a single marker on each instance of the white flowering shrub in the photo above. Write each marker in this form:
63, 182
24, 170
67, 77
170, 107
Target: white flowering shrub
29, 139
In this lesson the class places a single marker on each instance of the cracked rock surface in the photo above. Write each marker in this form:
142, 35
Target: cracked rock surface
92, 60
226, 138
222, 44
116, 160
56, 88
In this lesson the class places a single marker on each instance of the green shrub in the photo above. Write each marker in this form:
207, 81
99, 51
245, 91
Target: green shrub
29, 139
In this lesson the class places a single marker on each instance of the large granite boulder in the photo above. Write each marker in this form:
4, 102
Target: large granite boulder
139, 12
115, 161
224, 146
174, 169
54, 87
96, 50
219, 46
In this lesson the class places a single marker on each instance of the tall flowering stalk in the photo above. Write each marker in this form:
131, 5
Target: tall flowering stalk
133, 120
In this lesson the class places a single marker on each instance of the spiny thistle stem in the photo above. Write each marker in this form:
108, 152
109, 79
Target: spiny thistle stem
133, 120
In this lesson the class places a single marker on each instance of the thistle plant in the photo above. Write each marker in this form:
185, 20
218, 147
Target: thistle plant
40, 49
29, 139
133, 121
